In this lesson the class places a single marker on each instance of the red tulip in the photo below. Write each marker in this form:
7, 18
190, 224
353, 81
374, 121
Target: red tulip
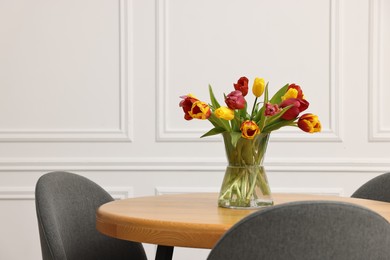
242, 85
299, 105
186, 104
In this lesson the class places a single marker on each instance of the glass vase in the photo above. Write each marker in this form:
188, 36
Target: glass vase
245, 184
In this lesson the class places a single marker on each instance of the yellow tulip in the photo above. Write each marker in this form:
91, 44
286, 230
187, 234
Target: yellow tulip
224, 113
291, 93
258, 87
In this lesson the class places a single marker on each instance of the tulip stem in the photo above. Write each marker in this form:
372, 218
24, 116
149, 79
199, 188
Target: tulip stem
253, 109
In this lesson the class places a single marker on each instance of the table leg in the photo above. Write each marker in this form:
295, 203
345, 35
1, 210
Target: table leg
164, 252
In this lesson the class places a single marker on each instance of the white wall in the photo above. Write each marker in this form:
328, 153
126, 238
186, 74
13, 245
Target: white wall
93, 87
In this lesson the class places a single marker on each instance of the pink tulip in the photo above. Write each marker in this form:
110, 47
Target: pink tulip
271, 109
235, 100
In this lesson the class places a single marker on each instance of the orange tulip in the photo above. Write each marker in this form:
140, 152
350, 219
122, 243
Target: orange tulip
249, 129
200, 110
309, 123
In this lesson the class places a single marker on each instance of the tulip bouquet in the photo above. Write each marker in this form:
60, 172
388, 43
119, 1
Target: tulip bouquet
246, 133
281, 110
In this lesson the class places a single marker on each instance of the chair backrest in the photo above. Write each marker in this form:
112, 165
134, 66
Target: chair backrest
307, 230
66, 205
377, 188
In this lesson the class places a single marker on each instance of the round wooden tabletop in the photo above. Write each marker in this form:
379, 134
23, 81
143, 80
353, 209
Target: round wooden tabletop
189, 220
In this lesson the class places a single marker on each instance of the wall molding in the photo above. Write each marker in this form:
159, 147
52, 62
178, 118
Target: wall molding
315, 191
125, 132
17, 193
215, 164
331, 134
377, 132
180, 190
120, 193
28, 193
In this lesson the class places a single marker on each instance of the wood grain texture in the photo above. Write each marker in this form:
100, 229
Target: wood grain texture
189, 220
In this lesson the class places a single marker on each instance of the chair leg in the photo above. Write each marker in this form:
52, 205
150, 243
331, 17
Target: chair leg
164, 252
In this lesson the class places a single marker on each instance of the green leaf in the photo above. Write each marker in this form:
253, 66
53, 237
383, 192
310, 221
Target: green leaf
235, 137
214, 131
242, 113
261, 116
277, 98
272, 119
217, 122
236, 122
266, 94
257, 112
214, 101
275, 126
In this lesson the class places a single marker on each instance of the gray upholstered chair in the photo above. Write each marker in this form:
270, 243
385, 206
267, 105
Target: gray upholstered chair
377, 188
66, 204
307, 230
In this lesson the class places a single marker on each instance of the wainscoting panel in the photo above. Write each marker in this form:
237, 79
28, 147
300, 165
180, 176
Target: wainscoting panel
53, 66
379, 67
183, 28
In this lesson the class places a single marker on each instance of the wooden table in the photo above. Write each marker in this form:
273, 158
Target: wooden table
188, 220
